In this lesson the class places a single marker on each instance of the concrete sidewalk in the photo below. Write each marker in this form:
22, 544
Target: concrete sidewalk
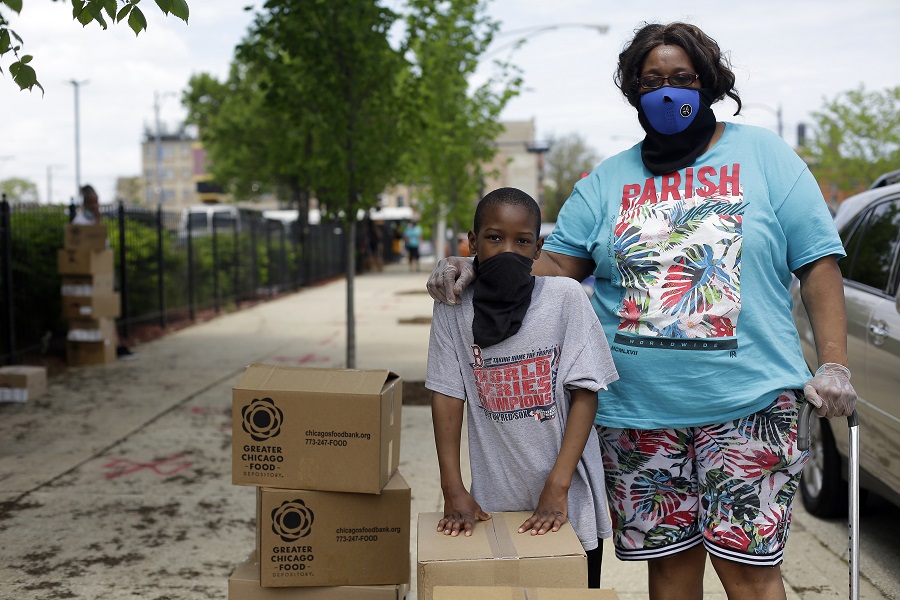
117, 483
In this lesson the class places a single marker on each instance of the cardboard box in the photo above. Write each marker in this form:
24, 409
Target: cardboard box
334, 430
244, 585
87, 237
90, 353
310, 538
92, 330
497, 554
442, 592
94, 307
79, 261
21, 383
87, 285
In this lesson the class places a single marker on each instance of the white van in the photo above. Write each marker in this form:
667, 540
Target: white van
200, 219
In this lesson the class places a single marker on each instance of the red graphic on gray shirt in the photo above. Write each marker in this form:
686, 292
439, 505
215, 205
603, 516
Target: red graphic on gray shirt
518, 387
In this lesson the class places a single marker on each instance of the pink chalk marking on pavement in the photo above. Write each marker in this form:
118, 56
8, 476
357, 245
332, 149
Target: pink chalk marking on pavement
163, 467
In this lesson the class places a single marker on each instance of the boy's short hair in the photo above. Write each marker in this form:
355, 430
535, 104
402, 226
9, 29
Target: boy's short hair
510, 196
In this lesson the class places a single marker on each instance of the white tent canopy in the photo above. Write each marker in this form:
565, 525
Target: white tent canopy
388, 213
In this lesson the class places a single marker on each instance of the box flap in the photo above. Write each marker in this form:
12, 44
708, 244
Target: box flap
396, 482
497, 538
321, 381
248, 570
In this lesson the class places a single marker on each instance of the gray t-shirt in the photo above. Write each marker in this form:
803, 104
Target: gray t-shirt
518, 399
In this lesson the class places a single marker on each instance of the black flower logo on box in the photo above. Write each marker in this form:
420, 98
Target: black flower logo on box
292, 520
262, 419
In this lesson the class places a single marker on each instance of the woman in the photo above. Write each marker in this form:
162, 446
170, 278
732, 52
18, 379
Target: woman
692, 237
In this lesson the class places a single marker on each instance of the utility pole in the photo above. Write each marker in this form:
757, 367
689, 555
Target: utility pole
50, 182
76, 85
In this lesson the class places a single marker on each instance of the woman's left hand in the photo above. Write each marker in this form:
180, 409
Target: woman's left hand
830, 391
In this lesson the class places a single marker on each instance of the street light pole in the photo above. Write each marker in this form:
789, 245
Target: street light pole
76, 85
50, 182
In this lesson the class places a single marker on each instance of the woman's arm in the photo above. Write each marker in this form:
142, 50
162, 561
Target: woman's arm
822, 292
454, 274
562, 265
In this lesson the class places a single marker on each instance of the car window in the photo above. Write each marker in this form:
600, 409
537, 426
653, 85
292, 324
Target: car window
223, 219
871, 244
197, 220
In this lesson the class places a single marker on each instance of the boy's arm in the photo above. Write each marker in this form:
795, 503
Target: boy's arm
460, 509
552, 509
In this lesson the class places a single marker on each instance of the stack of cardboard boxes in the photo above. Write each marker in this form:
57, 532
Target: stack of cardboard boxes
88, 300
322, 447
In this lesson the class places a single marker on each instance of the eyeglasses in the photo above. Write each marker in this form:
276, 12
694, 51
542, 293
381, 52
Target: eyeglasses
679, 80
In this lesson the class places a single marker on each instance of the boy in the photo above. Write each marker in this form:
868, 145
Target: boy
527, 355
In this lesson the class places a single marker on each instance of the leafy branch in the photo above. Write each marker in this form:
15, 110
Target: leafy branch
85, 12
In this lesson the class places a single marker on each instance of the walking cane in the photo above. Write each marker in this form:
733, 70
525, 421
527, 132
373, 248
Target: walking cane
806, 412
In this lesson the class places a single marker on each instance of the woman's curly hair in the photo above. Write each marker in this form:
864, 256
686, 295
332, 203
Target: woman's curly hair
713, 68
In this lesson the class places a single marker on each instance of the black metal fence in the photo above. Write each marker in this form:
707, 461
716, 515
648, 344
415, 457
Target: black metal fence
165, 271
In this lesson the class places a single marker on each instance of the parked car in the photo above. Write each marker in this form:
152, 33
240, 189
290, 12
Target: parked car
869, 225
886, 179
199, 219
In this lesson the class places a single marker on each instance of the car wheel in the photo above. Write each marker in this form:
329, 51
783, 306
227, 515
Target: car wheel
822, 485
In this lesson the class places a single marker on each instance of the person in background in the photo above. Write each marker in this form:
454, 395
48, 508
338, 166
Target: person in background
89, 214
693, 236
89, 211
412, 237
529, 374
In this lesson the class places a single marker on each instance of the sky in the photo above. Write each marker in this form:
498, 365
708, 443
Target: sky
789, 56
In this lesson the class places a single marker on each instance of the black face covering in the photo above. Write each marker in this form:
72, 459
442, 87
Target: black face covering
679, 122
501, 297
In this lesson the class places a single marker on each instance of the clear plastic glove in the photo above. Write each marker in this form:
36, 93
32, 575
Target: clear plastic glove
830, 391
449, 278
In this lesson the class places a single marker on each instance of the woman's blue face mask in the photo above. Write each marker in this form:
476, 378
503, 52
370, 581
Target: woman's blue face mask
671, 110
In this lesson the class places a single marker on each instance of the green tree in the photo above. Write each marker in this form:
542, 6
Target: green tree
83, 11
456, 126
330, 80
257, 125
19, 190
569, 157
856, 137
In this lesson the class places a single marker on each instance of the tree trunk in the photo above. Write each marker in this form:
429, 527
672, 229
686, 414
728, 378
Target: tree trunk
350, 227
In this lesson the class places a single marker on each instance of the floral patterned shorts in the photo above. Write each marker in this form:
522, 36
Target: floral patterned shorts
728, 486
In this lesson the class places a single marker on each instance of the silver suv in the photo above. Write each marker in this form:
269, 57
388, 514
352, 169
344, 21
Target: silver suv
869, 225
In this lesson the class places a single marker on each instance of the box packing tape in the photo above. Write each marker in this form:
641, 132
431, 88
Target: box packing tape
85, 335
77, 289
13, 394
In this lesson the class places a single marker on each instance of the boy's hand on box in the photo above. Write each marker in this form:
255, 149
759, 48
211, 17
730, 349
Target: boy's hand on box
551, 512
460, 515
